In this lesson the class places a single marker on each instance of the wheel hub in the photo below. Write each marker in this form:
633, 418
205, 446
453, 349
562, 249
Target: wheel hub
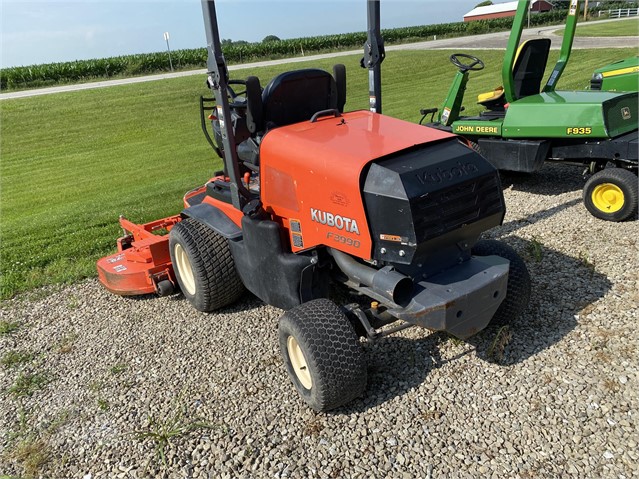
298, 361
608, 197
183, 265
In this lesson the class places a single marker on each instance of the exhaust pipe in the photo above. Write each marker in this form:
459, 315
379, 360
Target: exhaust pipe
386, 282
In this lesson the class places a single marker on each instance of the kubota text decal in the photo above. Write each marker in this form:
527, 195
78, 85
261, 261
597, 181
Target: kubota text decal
340, 222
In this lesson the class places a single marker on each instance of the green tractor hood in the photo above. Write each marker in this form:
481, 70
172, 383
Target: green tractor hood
578, 114
618, 76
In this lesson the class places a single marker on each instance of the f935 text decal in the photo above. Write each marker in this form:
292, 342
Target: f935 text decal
579, 130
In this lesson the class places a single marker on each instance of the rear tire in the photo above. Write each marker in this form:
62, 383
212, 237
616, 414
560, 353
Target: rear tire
518, 287
322, 354
204, 266
612, 194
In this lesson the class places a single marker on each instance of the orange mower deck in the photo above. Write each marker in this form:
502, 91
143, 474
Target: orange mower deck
142, 264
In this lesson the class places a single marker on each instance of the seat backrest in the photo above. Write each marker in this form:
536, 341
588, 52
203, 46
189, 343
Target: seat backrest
528, 71
297, 95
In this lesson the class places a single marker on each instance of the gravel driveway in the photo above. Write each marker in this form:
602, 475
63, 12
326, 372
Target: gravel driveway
99, 386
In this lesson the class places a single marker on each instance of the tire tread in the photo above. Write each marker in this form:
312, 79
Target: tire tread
217, 281
332, 350
624, 179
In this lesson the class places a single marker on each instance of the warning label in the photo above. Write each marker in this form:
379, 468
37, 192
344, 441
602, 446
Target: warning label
298, 242
394, 238
296, 226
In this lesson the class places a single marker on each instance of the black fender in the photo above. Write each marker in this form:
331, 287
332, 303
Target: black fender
215, 219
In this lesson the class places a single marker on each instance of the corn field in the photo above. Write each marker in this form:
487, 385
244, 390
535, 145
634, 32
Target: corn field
147, 63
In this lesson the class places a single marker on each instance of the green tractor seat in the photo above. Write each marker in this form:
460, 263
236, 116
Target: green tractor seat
528, 72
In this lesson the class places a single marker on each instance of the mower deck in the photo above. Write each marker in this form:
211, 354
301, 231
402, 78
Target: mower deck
142, 264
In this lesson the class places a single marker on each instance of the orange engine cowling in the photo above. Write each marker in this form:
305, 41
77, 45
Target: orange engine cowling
312, 175
379, 189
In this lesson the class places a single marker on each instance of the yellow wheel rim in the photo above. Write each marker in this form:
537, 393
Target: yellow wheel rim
298, 361
184, 268
607, 198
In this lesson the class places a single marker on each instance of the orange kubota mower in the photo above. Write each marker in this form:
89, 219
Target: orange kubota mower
312, 200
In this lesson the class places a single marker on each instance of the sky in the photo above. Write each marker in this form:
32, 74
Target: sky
34, 32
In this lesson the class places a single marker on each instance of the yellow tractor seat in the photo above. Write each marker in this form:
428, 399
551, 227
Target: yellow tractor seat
492, 99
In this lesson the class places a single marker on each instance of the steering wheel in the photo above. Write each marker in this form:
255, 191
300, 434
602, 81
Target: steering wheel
476, 64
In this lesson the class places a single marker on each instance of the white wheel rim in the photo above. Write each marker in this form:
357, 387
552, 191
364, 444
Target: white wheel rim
298, 361
184, 268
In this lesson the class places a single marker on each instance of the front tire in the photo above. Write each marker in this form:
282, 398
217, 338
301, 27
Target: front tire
612, 194
322, 354
518, 287
204, 266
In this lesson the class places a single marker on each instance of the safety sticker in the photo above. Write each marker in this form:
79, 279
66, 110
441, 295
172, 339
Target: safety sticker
573, 8
298, 242
220, 117
445, 115
116, 259
119, 268
372, 102
296, 226
394, 238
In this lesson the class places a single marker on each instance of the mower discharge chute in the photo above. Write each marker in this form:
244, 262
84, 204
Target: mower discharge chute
524, 125
317, 203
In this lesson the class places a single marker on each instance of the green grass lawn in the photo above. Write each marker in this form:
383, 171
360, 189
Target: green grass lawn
620, 28
72, 162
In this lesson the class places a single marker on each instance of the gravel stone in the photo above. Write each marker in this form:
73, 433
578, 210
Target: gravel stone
559, 399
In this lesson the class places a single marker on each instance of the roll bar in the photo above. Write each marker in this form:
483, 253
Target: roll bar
218, 80
374, 55
513, 43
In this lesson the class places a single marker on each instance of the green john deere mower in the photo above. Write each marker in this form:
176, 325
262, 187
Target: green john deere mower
524, 125
622, 75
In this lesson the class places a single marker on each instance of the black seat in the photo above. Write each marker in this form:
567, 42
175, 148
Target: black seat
290, 97
530, 65
528, 72
294, 96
